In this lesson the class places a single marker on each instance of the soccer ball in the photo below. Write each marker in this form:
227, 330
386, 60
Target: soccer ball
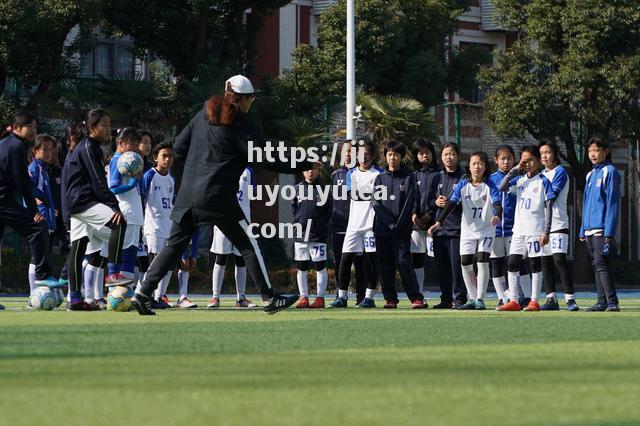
119, 299
59, 295
44, 298
130, 164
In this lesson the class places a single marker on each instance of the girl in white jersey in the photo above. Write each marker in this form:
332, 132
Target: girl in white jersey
554, 254
531, 226
481, 212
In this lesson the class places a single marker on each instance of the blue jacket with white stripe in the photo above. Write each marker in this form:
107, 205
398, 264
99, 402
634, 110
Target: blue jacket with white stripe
601, 200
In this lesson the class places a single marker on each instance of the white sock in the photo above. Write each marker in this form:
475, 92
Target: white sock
85, 262
568, 297
216, 279
89, 282
499, 284
303, 283
32, 277
98, 284
343, 293
183, 283
513, 285
370, 293
420, 278
525, 285
536, 284
241, 281
162, 286
322, 278
470, 281
483, 279
551, 295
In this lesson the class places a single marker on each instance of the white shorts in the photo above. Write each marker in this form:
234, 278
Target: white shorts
131, 236
316, 252
526, 245
500, 247
558, 243
220, 244
421, 242
155, 244
473, 246
359, 241
91, 223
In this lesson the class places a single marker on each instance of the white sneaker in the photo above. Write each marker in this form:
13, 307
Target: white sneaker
213, 303
245, 303
185, 303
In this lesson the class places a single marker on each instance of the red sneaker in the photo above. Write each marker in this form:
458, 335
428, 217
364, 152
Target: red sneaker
533, 306
418, 304
117, 279
165, 299
318, 303
511, 306
303, 303
390, 305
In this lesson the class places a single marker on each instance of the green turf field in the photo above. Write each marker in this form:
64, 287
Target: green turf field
320, 367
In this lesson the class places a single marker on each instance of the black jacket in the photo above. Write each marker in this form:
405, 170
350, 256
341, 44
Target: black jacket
444, 184
393, 216
425, 188
305, 209
209, 162
84, 180
340, 204
15, 184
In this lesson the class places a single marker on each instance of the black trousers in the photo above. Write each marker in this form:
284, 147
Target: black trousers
604, 283
446, 251
21, 221
391, 253
179, 239
358, 263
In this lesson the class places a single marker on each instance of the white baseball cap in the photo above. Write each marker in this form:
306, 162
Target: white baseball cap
239, 84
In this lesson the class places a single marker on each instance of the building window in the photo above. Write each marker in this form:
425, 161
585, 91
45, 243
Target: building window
109, 58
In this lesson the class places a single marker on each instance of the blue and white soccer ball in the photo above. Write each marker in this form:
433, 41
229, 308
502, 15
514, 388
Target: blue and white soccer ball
44, 298
59, 294
130, 164
119, 299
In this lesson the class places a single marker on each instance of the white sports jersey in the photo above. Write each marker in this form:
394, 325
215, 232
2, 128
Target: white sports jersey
532, 194
477, 208
130, 202
361, 212
159, 194
560, 184
246, 179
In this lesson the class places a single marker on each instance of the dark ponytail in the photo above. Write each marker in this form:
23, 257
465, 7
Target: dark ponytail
93, 118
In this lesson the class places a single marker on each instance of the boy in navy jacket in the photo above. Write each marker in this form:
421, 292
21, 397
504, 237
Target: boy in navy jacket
392, 228
600, 221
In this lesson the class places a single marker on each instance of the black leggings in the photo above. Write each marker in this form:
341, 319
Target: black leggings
221, 259
370, 270
179, 239
303, 265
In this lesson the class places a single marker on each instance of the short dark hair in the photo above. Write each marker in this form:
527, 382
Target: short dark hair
23, 118
144, 132
75, 130
42, 139
554, 147
129, 133
531, 149
420, 144
373, 148
507, 148
93, 118
485, 159
395, 146
159, 147
455, 147
600, 142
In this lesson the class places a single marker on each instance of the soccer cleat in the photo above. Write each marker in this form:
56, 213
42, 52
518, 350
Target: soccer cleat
318, 303
303, 303
572, 306
142, 304
117, 279
214, 302
185, 303
500, 302
165, 299
469, 306
244, 303
419, 304
391, 304
50, 281
339, 302
102, 303
532, 306
82, 306
159, 304
29, 305
359, 299
523, 301
550, 305
612, 307
443, 305
480, 306
366, 303
511, 306
280, 303
1, 308
597, 308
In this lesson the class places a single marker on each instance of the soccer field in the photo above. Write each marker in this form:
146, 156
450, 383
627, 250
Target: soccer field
345, 367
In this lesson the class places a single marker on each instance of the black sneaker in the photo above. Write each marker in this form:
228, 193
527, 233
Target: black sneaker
550, 305
523, 302
279, 303
443, 305
142, 304
612, 307
596, 308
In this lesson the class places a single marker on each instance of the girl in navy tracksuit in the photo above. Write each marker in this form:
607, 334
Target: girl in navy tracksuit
392, 227
426, 169
600, 220
446, 242
314, 249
